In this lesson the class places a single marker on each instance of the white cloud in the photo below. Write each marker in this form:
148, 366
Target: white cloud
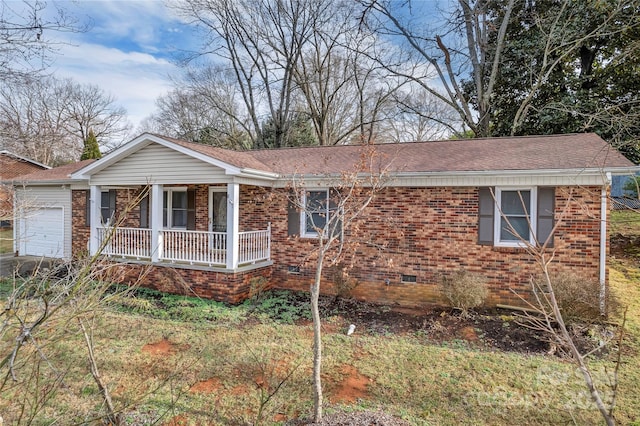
135, 79
126, 51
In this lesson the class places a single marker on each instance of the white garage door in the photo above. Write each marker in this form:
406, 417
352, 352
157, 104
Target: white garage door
44, 232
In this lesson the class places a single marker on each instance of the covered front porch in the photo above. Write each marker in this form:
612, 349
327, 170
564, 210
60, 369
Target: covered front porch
177, 227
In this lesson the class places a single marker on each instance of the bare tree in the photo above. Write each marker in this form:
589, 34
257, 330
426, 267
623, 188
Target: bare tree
90, 108
419, 116
203, 108
48, 120
545, 314
332, 220
261, 40
25, 28
344, 92
439, 68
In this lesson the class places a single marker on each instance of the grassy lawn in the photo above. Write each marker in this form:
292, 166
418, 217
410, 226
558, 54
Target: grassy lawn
6, 241
625, 222
200, 362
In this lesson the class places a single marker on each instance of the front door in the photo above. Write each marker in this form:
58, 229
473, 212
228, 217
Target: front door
218, 209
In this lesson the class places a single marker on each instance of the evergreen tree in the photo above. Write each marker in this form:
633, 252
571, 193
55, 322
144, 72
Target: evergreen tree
91, 148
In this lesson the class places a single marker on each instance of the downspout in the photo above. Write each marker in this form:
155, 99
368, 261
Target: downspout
603, 245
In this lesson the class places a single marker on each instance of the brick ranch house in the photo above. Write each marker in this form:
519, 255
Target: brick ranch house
214, 219
13, 166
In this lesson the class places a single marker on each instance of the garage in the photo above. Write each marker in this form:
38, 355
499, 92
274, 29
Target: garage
43, 232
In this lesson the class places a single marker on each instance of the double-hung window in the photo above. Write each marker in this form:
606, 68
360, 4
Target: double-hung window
315, 215
174, 208
514, 222
513, 216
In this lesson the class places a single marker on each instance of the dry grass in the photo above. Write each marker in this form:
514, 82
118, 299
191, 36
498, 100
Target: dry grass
212, 373
625, 222
6, 241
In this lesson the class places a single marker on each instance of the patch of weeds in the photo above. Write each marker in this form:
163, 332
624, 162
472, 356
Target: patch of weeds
6, 287
160, 305
283, 306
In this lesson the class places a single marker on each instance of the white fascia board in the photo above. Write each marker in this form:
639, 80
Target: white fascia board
260, 174
466, 178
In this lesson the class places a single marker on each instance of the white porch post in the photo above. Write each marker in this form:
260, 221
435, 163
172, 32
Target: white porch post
233, 227
156, 222
95, 219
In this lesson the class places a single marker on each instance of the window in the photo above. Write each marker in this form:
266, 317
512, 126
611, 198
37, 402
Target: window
514, 215
316, 212
174, 208
319, 206
514, 222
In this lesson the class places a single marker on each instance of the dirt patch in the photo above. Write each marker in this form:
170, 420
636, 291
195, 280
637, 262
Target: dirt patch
206, 386
489, 328
352, 387
177, 421
623, 246
163, 347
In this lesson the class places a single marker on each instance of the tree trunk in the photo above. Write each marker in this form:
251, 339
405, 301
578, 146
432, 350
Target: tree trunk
317, 340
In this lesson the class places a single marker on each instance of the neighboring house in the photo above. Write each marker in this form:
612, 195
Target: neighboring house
11, 167
215, 219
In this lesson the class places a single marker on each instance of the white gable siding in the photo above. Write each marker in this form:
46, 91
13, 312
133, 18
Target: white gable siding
33, 198
158, 164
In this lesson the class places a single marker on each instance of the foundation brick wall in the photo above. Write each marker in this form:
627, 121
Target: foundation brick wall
223, 287
423, 232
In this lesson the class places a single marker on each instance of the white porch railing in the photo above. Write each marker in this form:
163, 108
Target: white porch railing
126, 242
202, 247
193, 247
254, 246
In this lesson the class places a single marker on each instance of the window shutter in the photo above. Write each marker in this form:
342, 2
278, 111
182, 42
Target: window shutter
546, 207
486, 207
191, 209
113, 195
87, 208
144, 212
293, 218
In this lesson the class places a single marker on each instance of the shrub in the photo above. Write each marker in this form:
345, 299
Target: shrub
342, 282
579, 298
464, 290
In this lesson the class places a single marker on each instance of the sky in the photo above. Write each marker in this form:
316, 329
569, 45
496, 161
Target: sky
129, 50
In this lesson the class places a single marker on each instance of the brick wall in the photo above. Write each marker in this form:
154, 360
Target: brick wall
422, 232
428, 232
80, 232
224, 287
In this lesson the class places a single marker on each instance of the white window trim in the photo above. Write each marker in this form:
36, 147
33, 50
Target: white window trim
303, 214
497, 217
169, 190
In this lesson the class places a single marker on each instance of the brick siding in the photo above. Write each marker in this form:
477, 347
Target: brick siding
424, 232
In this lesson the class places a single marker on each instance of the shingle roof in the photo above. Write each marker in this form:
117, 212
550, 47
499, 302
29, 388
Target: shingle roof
523, 153
55, 174
557, 152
